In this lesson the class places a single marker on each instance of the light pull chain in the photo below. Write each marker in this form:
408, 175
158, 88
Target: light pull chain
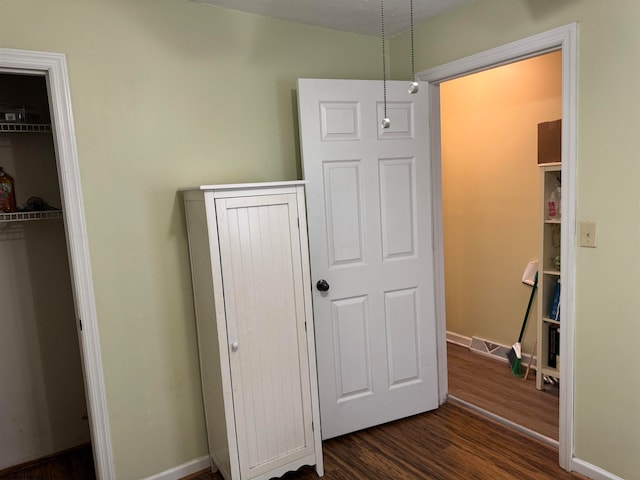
413, 86
386, 123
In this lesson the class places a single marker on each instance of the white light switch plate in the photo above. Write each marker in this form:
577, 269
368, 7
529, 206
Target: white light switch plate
588, 234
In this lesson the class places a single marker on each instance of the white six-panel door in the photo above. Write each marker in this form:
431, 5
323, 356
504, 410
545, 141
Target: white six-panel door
370, 236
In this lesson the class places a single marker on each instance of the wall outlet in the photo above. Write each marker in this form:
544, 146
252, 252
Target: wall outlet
588, 234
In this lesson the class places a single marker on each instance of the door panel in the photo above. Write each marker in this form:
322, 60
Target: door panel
397, 192
369, 206
403, 337
342, 193
351, 347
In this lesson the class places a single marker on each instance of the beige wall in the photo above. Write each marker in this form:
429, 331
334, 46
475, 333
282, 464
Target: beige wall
607, 410
168, 94
491, 193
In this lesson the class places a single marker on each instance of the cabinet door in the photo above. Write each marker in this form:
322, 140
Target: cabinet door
264, 303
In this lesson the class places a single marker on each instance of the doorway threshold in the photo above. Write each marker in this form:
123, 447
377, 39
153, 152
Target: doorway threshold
503, 421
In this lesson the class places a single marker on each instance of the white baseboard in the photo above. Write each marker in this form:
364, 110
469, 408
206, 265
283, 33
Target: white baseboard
466, 342
458, 339
183, 470
591, 471
503, 421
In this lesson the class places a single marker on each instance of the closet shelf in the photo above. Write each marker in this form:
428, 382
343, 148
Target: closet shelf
27, 216
25, 127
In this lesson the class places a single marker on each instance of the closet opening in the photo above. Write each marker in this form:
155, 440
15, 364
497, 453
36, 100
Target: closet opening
493, 227
43, 401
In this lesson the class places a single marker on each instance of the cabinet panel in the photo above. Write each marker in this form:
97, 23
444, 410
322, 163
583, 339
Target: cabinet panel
261, 260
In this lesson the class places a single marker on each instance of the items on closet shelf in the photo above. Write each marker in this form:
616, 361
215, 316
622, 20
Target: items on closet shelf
7, 193
554, 311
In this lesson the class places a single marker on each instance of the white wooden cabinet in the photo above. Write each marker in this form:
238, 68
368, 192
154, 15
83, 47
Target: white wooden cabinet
252, 291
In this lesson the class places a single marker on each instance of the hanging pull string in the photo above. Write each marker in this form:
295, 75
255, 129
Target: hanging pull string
385, 121
413, 58
413, 86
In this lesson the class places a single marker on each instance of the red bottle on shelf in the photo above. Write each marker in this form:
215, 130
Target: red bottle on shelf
7, 193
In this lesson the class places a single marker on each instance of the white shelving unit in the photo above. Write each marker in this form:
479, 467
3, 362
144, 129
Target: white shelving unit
21, 127
30, 216
548, 357
25, 127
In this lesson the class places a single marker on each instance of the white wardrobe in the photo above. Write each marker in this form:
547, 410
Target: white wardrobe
252, 292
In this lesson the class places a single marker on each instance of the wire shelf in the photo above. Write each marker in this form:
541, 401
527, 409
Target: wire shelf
25, 127
28, 216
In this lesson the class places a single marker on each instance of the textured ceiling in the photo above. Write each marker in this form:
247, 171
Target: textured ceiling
358, 16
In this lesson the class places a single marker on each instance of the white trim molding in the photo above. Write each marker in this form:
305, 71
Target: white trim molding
504, 421
591, 471
457, 339
184, 470
54, 67
563, 38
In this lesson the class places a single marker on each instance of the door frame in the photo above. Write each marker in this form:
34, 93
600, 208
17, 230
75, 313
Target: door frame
565, 39
54, 67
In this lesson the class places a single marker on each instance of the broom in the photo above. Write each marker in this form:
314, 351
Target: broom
515, 354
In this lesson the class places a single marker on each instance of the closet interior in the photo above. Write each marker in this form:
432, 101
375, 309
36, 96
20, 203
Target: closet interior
42, 400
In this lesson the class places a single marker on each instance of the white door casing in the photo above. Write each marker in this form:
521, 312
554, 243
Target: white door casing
564, 38
54, 67
370, 236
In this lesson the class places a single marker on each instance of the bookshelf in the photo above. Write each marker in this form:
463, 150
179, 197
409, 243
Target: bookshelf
548, 325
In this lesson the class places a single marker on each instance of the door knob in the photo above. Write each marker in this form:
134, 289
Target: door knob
234, 346
322, 285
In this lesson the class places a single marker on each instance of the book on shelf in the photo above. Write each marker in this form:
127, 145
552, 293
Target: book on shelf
553, 351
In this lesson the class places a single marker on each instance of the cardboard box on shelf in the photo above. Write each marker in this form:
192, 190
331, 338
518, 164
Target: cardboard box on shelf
550, 142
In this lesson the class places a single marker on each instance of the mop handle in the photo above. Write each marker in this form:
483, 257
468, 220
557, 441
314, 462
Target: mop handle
526, 315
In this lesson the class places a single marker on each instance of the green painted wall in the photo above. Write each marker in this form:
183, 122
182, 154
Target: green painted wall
169, 94
607, 391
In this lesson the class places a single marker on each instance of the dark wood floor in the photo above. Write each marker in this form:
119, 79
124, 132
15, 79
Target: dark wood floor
487, 383
75, 464
451, 443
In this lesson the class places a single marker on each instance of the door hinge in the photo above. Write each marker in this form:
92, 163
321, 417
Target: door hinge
313, 427
80, 323
298, 219
305, 326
